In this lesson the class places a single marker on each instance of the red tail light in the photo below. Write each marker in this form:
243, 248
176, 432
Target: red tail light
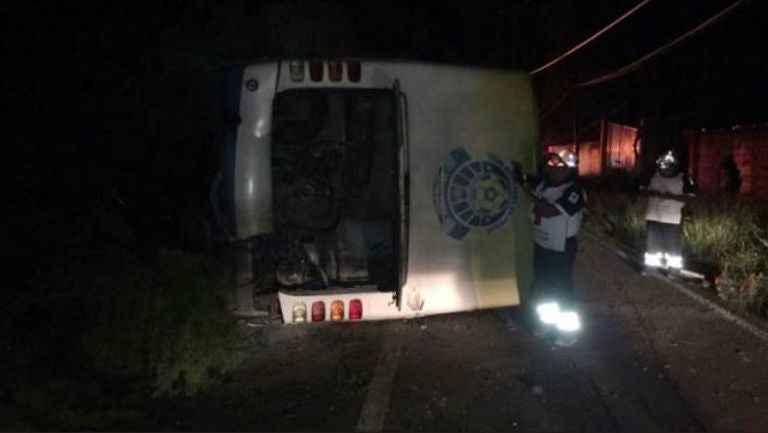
355, 309
334, 70
316, 70
318, 311
337, 311
353, 71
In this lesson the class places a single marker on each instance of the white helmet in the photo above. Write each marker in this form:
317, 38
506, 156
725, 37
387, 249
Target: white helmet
667, 161
569, 158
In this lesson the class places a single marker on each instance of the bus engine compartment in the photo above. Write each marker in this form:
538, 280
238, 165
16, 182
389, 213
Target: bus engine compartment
335, 178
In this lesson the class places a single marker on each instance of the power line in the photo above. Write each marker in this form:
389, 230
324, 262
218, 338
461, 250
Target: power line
589, 39
636, 64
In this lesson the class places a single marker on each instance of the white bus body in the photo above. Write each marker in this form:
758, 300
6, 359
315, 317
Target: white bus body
365, 190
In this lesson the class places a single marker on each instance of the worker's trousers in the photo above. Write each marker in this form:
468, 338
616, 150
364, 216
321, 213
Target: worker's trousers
553, 273
663, 245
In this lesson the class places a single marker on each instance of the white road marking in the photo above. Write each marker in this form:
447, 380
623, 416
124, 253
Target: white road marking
376, 401
724, 313
727, 315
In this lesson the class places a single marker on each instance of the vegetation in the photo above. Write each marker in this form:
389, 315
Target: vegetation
107, 327
735, 235
110, 309
730, 233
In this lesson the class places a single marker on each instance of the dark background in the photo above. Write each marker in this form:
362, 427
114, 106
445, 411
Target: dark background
114, 105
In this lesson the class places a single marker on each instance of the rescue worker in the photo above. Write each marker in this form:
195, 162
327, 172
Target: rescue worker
558, 206
668, 192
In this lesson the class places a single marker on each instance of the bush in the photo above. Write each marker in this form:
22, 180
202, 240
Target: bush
104, 327
65, 404
622, 216
164, 322
731, 233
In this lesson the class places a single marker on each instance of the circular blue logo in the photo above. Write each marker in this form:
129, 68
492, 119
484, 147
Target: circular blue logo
473, 194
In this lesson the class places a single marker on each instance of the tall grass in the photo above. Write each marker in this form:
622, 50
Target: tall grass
620, 215
730, 233
734, 235
163, 321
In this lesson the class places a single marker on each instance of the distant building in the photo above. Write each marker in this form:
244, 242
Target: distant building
721, 162
728, 161
616, 147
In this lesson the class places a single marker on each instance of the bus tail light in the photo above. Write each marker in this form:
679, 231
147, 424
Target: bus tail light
334, 70
355, 309
316, 70
318, 311
353, 71
337, 311
299, 312
296, 68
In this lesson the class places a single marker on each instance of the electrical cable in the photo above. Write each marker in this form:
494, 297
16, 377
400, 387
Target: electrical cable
589, 39
636, 64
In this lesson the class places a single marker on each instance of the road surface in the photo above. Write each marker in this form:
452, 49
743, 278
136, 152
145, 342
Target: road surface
651, 358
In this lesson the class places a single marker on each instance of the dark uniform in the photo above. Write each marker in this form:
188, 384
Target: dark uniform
556, 239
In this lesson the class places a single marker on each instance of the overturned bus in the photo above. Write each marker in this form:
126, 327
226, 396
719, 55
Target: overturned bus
365, 190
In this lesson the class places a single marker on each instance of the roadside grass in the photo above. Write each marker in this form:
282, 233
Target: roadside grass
621, 216
105, 330
733, 234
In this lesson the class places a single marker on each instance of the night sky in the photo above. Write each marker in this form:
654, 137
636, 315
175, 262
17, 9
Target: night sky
117, 102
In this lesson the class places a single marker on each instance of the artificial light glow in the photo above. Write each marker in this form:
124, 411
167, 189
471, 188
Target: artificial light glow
250, 186
674, 261
652, 259
548, 312
568, 321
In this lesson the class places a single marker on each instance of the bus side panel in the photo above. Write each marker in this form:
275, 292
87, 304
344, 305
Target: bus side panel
253, 173
485, 113
505, 126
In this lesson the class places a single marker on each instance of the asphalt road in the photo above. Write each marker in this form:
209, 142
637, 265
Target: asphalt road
650, 359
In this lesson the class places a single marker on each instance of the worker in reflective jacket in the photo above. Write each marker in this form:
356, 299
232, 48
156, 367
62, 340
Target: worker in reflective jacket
556, 213
668, 192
